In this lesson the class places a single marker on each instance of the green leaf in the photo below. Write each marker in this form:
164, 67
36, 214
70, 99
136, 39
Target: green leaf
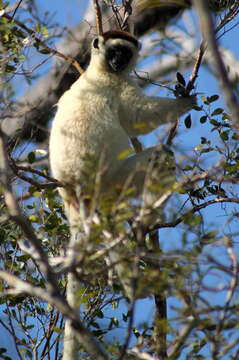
37, 194
214, 122
206, 150
30, 326
34, 218
136, 333
224, 135
95, 324
205, 100
226, 117
193, 220
45, 31
197, 108
198, 147
32, 189
10, 68
44, 51
125, 317
31, 157
203, 140
180, 79
235, 136
2, 350
217, 111
114, 304
115, 321
38, 27
213, 98
180, 90
99, 314
203, 119
188, 122
58, 330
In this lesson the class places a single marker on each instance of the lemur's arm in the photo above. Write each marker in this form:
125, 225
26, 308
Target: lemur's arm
141, 114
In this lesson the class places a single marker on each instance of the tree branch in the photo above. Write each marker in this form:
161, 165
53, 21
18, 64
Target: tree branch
18, 170
193, 211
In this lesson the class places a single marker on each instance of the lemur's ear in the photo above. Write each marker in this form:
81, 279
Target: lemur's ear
95, 43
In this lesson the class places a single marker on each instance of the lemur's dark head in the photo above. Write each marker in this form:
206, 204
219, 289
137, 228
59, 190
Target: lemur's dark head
115, 51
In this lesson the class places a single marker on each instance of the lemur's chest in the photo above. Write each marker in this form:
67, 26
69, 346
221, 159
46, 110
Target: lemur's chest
87, 127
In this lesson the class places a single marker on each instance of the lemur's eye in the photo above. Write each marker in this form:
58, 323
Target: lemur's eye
96, 43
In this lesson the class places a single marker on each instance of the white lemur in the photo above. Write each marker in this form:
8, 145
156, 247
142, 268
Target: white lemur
97, 116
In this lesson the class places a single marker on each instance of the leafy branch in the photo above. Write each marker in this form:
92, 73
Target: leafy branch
38, 42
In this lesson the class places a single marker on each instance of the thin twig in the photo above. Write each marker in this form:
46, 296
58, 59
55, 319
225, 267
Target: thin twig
197, 65
127, 4
193, 211
16, 8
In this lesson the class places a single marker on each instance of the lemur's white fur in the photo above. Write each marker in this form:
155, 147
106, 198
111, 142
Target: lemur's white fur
98, 114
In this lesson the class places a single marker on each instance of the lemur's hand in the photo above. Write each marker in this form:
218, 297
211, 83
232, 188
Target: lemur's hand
183, 89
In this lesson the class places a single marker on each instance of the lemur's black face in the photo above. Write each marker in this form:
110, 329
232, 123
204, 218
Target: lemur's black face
118, 57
